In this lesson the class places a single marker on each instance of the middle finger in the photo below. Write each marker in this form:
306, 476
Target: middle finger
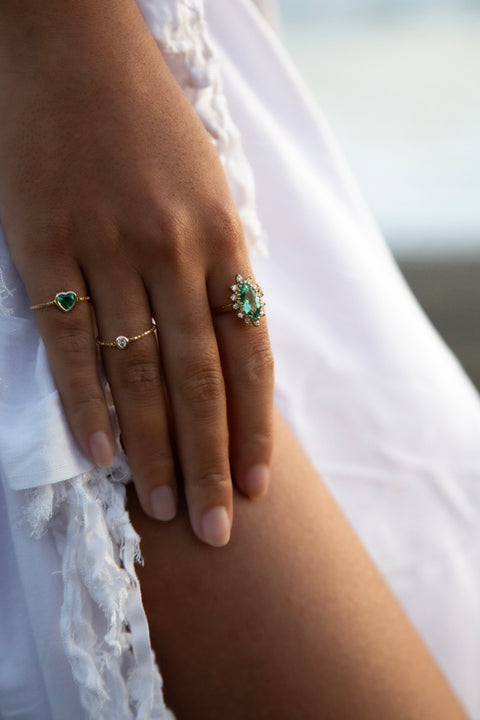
194, 381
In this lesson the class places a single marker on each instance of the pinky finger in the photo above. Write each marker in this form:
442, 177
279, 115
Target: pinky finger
71, 349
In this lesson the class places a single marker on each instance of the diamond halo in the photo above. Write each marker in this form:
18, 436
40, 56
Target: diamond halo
247, 300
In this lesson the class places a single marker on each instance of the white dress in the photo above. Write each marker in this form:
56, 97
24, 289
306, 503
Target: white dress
380, 404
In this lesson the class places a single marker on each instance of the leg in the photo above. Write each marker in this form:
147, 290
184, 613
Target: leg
291, 619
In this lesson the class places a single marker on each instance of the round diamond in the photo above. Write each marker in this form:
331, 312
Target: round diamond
121, 342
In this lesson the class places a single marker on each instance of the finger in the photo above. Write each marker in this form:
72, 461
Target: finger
69, 340
194, 380
247, 363
135, 378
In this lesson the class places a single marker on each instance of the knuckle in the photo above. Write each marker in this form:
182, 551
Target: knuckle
100, 235
212, 479
225, 225
171, 252
203, 386
86, 403
56, 223
161, 466
141, 376
162, 236
261, 441
149, 467
258, 367
171, 222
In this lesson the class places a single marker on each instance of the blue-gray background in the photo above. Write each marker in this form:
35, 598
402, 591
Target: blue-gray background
399, 81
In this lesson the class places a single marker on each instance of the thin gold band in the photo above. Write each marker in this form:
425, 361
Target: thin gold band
64, 300
122, 341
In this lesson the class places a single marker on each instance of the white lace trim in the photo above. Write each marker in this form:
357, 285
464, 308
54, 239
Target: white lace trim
182, 34
103, 625
5, 293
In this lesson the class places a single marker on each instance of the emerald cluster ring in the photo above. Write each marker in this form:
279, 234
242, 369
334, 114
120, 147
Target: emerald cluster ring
64, 301
246, 301
121, 342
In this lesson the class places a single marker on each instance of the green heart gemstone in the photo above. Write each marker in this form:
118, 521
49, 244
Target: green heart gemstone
66, 300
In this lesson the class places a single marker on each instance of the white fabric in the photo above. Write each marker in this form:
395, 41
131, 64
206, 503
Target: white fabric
382, 407
75, 605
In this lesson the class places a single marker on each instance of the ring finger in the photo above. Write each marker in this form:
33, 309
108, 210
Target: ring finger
132, 366
194, 380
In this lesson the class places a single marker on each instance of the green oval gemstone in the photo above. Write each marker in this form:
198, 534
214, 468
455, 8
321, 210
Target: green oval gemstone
250, 301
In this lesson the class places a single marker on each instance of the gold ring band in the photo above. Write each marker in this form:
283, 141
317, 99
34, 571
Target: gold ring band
246, 301
64, 300
121, 342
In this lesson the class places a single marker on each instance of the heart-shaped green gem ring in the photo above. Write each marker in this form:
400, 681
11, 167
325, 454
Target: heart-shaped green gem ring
246, 301
64, 301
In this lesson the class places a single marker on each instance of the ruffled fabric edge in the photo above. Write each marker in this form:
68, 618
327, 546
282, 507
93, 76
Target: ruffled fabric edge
181, 32
103, 625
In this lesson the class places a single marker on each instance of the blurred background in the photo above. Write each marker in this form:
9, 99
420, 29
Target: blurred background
399, 82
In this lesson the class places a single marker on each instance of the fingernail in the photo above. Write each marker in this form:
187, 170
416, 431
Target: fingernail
256, 481
163, 503
101, 449
216, 527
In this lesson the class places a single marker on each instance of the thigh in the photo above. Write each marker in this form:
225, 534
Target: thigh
290, 619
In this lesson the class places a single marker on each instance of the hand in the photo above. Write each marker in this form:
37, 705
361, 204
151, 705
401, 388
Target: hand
111, 187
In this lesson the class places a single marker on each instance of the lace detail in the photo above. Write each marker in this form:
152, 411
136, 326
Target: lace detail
5, 293
103, 626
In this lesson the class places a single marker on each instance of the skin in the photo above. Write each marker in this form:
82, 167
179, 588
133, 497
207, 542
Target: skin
289, 620
110, 186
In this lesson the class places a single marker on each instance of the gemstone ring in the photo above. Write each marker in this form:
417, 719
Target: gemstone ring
246, 300
64, 300
121, 342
